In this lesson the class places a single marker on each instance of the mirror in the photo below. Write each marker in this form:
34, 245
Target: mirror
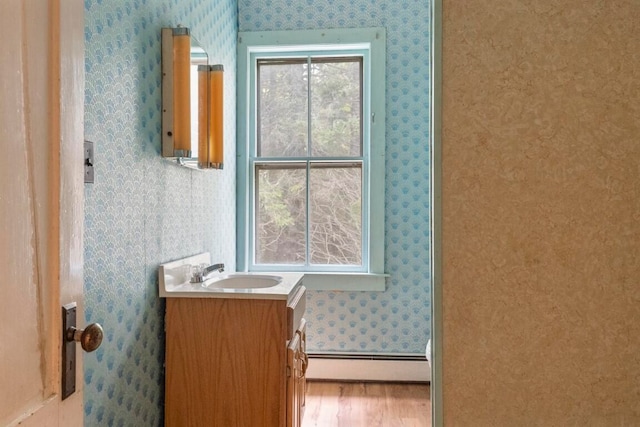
191, 102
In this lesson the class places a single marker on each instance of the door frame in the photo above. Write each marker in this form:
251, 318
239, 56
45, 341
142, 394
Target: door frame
436, 213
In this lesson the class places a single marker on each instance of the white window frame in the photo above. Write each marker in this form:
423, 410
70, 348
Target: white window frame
370, 44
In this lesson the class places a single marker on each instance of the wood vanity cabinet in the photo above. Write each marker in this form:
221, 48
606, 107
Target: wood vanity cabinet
234, 362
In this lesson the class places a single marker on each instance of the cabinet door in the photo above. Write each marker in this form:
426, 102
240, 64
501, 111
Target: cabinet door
304, 360
294, 372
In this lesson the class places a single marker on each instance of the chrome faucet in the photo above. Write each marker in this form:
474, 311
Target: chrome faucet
200, 273
213, 267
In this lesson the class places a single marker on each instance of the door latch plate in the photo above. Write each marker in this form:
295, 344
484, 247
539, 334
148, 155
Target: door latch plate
68, 351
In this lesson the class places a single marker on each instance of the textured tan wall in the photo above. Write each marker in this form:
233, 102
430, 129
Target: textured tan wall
541, 213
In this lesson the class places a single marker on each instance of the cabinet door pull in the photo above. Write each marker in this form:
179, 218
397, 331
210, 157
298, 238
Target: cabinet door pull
305, 363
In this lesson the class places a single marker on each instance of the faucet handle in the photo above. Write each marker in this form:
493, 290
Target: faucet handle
198, 273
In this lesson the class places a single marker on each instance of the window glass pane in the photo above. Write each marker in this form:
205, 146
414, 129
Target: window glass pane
282, 108
335, 228
281, 214
336, 107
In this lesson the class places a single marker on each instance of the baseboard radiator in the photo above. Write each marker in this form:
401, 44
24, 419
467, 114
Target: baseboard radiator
368, 367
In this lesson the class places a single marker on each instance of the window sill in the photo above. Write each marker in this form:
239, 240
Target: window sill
371, 282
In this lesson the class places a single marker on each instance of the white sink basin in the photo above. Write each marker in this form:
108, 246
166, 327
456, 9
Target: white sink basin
174, 281
242, 281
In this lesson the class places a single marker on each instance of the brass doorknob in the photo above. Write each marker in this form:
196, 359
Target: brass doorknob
89, 338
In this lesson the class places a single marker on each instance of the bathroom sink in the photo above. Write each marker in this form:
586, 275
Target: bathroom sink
175, 281
243, 281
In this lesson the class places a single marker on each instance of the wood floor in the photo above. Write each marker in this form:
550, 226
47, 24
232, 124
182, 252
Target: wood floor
334, 404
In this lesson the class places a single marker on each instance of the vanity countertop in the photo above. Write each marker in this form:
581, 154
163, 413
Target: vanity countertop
174, 282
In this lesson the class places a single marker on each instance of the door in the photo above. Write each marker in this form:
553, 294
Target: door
41, 205
297, 362
304, 361
294, 373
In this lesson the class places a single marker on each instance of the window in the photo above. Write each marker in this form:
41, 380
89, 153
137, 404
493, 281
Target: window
311, 155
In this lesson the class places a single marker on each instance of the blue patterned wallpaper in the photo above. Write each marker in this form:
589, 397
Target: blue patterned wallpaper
398, 320
142, 210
